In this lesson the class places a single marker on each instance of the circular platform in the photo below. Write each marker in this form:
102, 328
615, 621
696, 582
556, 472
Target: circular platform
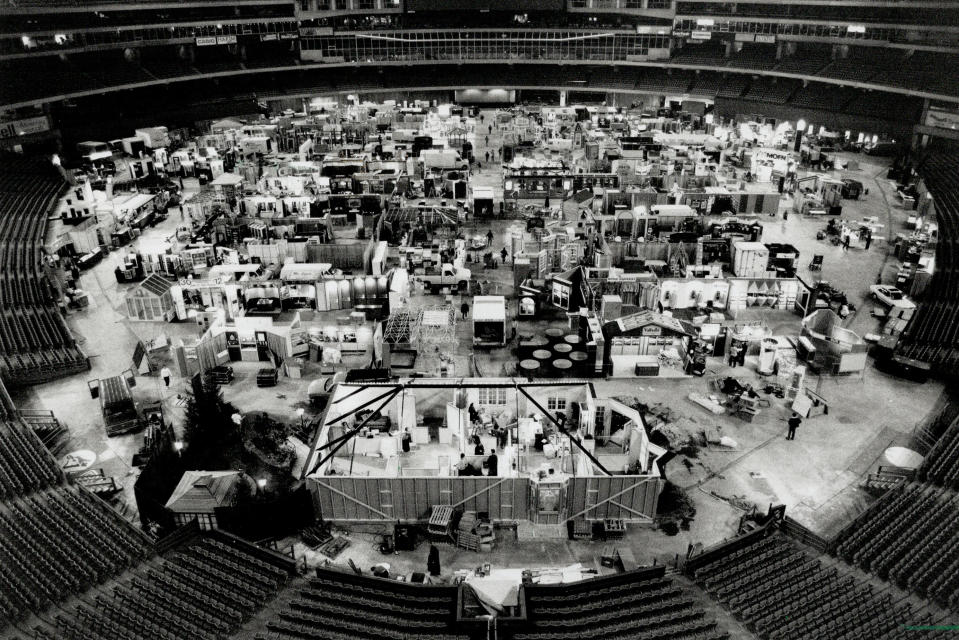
542, 354
903, 458
562, 364
577, 356
553, 333
529, 365
573, 339
562, 347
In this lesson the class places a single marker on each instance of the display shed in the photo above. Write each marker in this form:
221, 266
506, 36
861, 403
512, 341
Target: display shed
383, 493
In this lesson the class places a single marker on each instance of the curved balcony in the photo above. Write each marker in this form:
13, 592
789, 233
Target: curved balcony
891, 71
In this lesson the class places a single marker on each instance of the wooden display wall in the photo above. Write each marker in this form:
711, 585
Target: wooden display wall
341, 498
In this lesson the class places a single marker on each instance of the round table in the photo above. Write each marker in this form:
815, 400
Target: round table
562, 364
577, 356
553, 333
562, 347
542, 354
529, 365
535, 342
573, 339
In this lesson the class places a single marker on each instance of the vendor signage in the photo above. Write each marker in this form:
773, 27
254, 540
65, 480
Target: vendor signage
745, 37
289, 36
268, 37
651, 330
206, 41
765, 38
316, 31
700, 35
24, 126
680, 34
942, 119
226, 39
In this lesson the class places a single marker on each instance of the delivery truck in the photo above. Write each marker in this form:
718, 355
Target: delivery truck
489, 321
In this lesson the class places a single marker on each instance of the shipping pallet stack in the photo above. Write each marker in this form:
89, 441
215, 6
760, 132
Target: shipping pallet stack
615, 529
474, 535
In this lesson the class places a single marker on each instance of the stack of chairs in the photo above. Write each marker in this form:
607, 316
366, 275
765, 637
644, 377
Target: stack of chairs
343, 606
783, 593
35, 343
638, 605
933, 333
910, 537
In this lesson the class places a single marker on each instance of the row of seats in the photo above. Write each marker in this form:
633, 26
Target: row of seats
35, 343
337, 605
24, 465
941, 464
933, 333
202, 590
910, 537
642, 604
58, 542
781, 592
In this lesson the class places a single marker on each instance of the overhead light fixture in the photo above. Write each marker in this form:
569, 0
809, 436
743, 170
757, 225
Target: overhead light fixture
856, 28
705, 22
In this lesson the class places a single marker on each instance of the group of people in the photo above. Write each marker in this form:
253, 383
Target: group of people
464, 468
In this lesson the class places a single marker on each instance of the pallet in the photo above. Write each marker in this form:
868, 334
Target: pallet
333, 547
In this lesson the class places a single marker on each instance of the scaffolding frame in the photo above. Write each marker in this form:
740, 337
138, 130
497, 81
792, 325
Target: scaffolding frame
435, 325
421, 326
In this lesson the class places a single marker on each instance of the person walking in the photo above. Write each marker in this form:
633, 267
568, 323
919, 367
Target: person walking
487, 157
492, 463
433, 561
490, 131
166, 374
793, 422
487, 141
489, 238
465, 309
478, 448
868, 240
505, 254
734, 355
845, 242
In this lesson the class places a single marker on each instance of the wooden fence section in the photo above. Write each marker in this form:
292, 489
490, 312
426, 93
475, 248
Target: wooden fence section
408, 499
629, 498
356, 499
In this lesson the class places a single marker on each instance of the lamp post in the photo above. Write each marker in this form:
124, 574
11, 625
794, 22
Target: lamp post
800, 128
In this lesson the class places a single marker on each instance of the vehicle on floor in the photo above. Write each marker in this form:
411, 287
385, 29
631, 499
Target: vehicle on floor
448, 276
890, 296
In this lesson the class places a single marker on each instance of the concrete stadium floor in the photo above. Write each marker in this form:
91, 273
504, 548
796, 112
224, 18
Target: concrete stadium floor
816, 476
